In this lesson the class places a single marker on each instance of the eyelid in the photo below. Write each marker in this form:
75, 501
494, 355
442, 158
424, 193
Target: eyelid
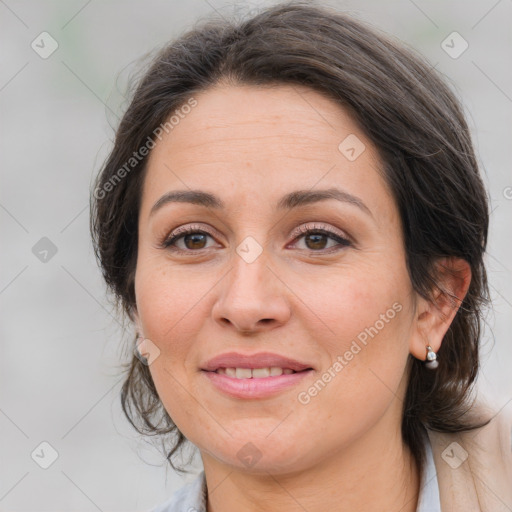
188, 228
315, 226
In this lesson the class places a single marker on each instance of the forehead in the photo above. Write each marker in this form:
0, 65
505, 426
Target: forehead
231, 118
258, 142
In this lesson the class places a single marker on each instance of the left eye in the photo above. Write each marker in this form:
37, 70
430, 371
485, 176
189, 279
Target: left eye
317, 239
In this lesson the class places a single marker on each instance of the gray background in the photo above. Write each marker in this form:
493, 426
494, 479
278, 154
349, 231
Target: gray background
61, 342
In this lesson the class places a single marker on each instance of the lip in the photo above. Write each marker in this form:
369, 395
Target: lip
254, 387
258, 360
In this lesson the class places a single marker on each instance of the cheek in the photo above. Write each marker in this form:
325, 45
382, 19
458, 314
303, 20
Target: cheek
173, 304
359, 304
169, 306
167, 301
366, 318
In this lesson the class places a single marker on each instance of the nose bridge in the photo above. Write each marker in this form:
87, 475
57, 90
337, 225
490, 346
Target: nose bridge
249, 277
251, 298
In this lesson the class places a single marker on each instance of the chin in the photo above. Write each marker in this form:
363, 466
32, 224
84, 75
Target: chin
259, 454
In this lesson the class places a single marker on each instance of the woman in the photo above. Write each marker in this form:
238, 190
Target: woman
293, 219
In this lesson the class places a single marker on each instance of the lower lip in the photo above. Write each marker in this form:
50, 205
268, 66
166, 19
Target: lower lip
255, 388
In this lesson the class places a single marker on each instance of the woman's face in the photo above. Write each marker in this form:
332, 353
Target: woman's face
278, 267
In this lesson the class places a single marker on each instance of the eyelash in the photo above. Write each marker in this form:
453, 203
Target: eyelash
168, 242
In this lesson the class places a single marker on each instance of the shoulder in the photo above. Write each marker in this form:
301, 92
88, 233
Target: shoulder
189, 498
474, 468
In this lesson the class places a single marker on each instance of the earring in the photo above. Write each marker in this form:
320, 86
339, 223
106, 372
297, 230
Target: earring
431, 363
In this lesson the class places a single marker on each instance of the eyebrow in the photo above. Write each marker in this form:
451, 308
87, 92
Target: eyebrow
289, 201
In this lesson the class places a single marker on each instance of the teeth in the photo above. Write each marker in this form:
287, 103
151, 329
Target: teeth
243, 373
255, 373
230, 372
260, 372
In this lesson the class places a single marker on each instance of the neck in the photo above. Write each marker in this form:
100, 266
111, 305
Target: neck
374, 473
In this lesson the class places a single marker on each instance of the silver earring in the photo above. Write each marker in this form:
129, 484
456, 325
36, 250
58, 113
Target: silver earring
431, 363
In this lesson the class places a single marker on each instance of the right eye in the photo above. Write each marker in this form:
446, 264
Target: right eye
191, 238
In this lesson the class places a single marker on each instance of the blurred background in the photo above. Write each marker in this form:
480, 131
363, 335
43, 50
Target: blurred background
64, 443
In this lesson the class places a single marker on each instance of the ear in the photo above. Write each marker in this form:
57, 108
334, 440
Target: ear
433, 317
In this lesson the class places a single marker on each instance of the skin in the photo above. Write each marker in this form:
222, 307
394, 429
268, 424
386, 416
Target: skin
343, 450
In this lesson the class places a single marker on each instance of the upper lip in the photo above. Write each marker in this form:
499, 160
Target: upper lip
259, 360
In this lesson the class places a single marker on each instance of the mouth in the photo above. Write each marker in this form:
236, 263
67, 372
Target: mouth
260, 375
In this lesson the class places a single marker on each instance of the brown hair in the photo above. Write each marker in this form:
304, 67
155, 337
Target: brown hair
404, 108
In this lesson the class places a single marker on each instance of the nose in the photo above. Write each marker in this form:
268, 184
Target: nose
252, 298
